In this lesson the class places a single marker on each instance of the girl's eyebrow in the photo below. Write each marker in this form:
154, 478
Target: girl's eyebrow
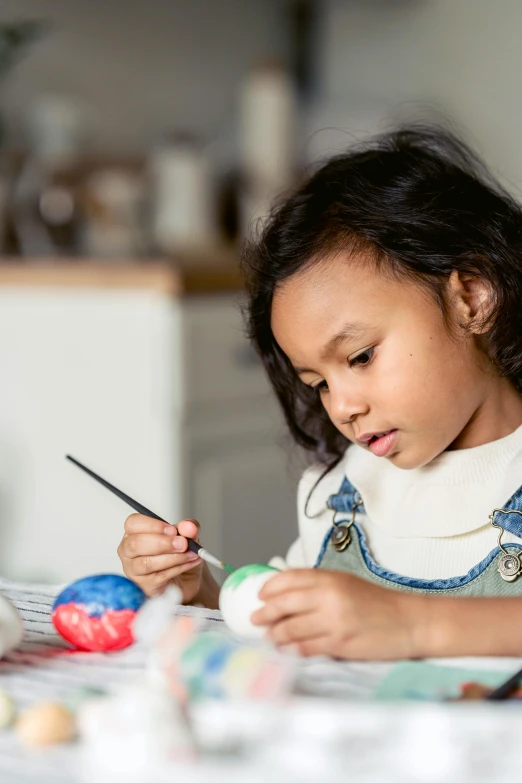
350, 331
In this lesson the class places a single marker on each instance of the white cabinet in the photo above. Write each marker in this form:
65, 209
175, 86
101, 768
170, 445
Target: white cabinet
162, 396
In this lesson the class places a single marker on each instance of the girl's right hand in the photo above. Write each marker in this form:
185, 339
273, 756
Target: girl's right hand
154, 554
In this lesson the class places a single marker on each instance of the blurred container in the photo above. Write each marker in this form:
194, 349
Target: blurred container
44, 211
184, 210
44, 204
4, 203
267, 109
113, 207
59, 127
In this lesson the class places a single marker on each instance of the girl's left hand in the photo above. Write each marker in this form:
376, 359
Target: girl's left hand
340, 615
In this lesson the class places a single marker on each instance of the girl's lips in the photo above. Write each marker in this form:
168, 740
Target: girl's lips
381, 447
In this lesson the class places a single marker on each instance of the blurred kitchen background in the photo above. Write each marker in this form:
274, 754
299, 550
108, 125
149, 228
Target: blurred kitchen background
140, 144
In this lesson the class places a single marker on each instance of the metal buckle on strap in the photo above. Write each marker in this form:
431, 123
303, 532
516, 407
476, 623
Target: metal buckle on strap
341, 535
509, 565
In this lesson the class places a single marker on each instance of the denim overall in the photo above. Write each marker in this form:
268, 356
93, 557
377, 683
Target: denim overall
345, 549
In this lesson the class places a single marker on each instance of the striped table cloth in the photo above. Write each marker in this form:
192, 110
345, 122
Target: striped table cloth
45, 668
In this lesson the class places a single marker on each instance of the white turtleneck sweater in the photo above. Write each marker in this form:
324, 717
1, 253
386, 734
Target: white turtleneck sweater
428, 523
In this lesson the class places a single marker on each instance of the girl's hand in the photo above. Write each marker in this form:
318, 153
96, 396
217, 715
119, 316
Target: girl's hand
341, 615
154, 554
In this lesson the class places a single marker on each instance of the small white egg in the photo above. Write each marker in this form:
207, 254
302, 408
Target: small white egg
239, 599
11, 628
47, 723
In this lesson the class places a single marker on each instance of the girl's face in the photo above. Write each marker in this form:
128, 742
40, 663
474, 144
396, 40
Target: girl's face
389, 373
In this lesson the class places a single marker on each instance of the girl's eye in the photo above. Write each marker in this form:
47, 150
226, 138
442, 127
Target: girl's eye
321, 387
362, 359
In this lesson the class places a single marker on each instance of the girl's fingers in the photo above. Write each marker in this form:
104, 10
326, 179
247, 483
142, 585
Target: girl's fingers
140, 544
283, 605
153, 582
138, 523
295, 629
189, 528
294, 579
156, 564
321, 645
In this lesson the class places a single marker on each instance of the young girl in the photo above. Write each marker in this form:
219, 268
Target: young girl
385, 299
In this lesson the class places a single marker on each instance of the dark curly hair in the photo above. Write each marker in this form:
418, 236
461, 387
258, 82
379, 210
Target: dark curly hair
424, 205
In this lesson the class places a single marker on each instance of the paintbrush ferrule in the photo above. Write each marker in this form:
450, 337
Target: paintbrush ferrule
208, 558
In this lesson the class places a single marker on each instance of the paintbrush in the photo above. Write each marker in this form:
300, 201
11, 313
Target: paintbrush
192, 545
505, 690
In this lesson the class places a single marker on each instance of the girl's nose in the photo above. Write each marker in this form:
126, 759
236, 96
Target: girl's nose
346, 405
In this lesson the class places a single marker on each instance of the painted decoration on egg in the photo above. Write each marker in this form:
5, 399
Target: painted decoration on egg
239, 598
96, 613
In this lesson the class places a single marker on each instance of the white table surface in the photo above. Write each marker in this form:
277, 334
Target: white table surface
337, 704
39, 671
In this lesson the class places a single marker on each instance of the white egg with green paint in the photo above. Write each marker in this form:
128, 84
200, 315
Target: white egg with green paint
239, 598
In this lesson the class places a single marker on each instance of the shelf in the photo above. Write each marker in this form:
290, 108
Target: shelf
188, 276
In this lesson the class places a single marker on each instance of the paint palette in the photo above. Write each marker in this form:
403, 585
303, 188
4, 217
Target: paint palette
96, 613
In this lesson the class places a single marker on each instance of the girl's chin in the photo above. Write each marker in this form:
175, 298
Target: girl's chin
410, 459
406, 458
401, 459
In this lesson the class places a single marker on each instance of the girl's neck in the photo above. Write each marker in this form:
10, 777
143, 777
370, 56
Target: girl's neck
499, 415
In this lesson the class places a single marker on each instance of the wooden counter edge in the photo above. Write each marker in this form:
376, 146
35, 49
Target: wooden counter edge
164, 276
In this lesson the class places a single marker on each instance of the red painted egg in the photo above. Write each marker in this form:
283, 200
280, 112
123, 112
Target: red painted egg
96, 613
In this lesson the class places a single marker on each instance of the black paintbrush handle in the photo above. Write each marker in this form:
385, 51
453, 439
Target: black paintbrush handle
192, 545
506, 689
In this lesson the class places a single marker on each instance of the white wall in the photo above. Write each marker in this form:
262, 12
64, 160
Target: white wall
146, 66
464, 57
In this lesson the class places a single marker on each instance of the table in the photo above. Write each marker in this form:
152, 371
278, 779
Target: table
39, 671
333, 715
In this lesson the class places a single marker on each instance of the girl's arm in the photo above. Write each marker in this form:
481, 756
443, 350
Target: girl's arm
332, 613
447, 627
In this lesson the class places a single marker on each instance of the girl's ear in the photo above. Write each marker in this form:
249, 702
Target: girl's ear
473, 300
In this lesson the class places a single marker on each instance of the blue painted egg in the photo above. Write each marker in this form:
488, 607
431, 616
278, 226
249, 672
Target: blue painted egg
97, 612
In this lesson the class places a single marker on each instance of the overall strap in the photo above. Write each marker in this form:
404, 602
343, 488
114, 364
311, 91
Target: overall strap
509, 516
345, 499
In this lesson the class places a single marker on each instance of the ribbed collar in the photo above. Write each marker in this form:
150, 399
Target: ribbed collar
453, 494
